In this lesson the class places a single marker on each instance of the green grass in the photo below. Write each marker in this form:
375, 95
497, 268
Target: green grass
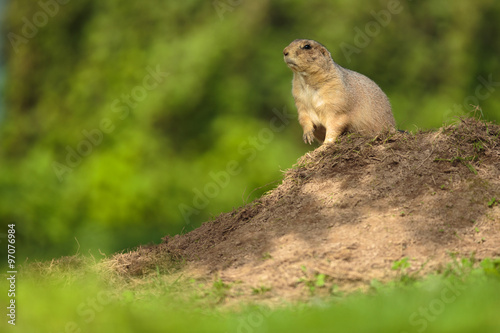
463, 297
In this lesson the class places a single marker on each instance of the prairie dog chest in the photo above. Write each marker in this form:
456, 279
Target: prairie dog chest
310, 97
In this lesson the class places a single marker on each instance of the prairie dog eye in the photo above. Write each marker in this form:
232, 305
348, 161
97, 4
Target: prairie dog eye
306, 47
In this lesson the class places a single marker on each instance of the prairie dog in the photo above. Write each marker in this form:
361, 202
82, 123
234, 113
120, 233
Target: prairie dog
331, 99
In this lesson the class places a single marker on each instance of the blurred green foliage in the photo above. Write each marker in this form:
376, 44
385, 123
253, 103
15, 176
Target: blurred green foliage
95, 146
464, 298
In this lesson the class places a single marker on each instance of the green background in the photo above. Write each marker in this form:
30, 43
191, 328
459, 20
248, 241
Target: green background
150, 158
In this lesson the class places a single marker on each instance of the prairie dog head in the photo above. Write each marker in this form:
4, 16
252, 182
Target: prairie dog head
307, 55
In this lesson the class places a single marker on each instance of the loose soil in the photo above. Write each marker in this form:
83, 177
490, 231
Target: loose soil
349, 211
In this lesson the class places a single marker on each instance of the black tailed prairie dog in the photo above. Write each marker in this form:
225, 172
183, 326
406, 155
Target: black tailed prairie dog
331, 99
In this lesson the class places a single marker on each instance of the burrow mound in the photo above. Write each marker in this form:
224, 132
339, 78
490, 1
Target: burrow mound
349, 211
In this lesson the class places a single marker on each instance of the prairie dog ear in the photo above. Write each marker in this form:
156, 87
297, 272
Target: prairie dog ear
325, 52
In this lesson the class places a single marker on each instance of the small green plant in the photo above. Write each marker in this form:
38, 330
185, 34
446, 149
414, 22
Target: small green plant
260, 290
162, 285
463, 160
402, 266
491, 267
478, 146
266, 256
220, 290
320, 280
460, 267
157, 279
471, 168
334, 291
376, 285
317, 281
389, 137
492, 202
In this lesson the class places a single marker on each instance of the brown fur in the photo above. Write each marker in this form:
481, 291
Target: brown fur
331, 99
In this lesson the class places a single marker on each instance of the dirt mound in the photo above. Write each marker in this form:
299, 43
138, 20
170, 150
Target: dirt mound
344, 213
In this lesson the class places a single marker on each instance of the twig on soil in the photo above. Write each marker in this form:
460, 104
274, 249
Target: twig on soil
425, 159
